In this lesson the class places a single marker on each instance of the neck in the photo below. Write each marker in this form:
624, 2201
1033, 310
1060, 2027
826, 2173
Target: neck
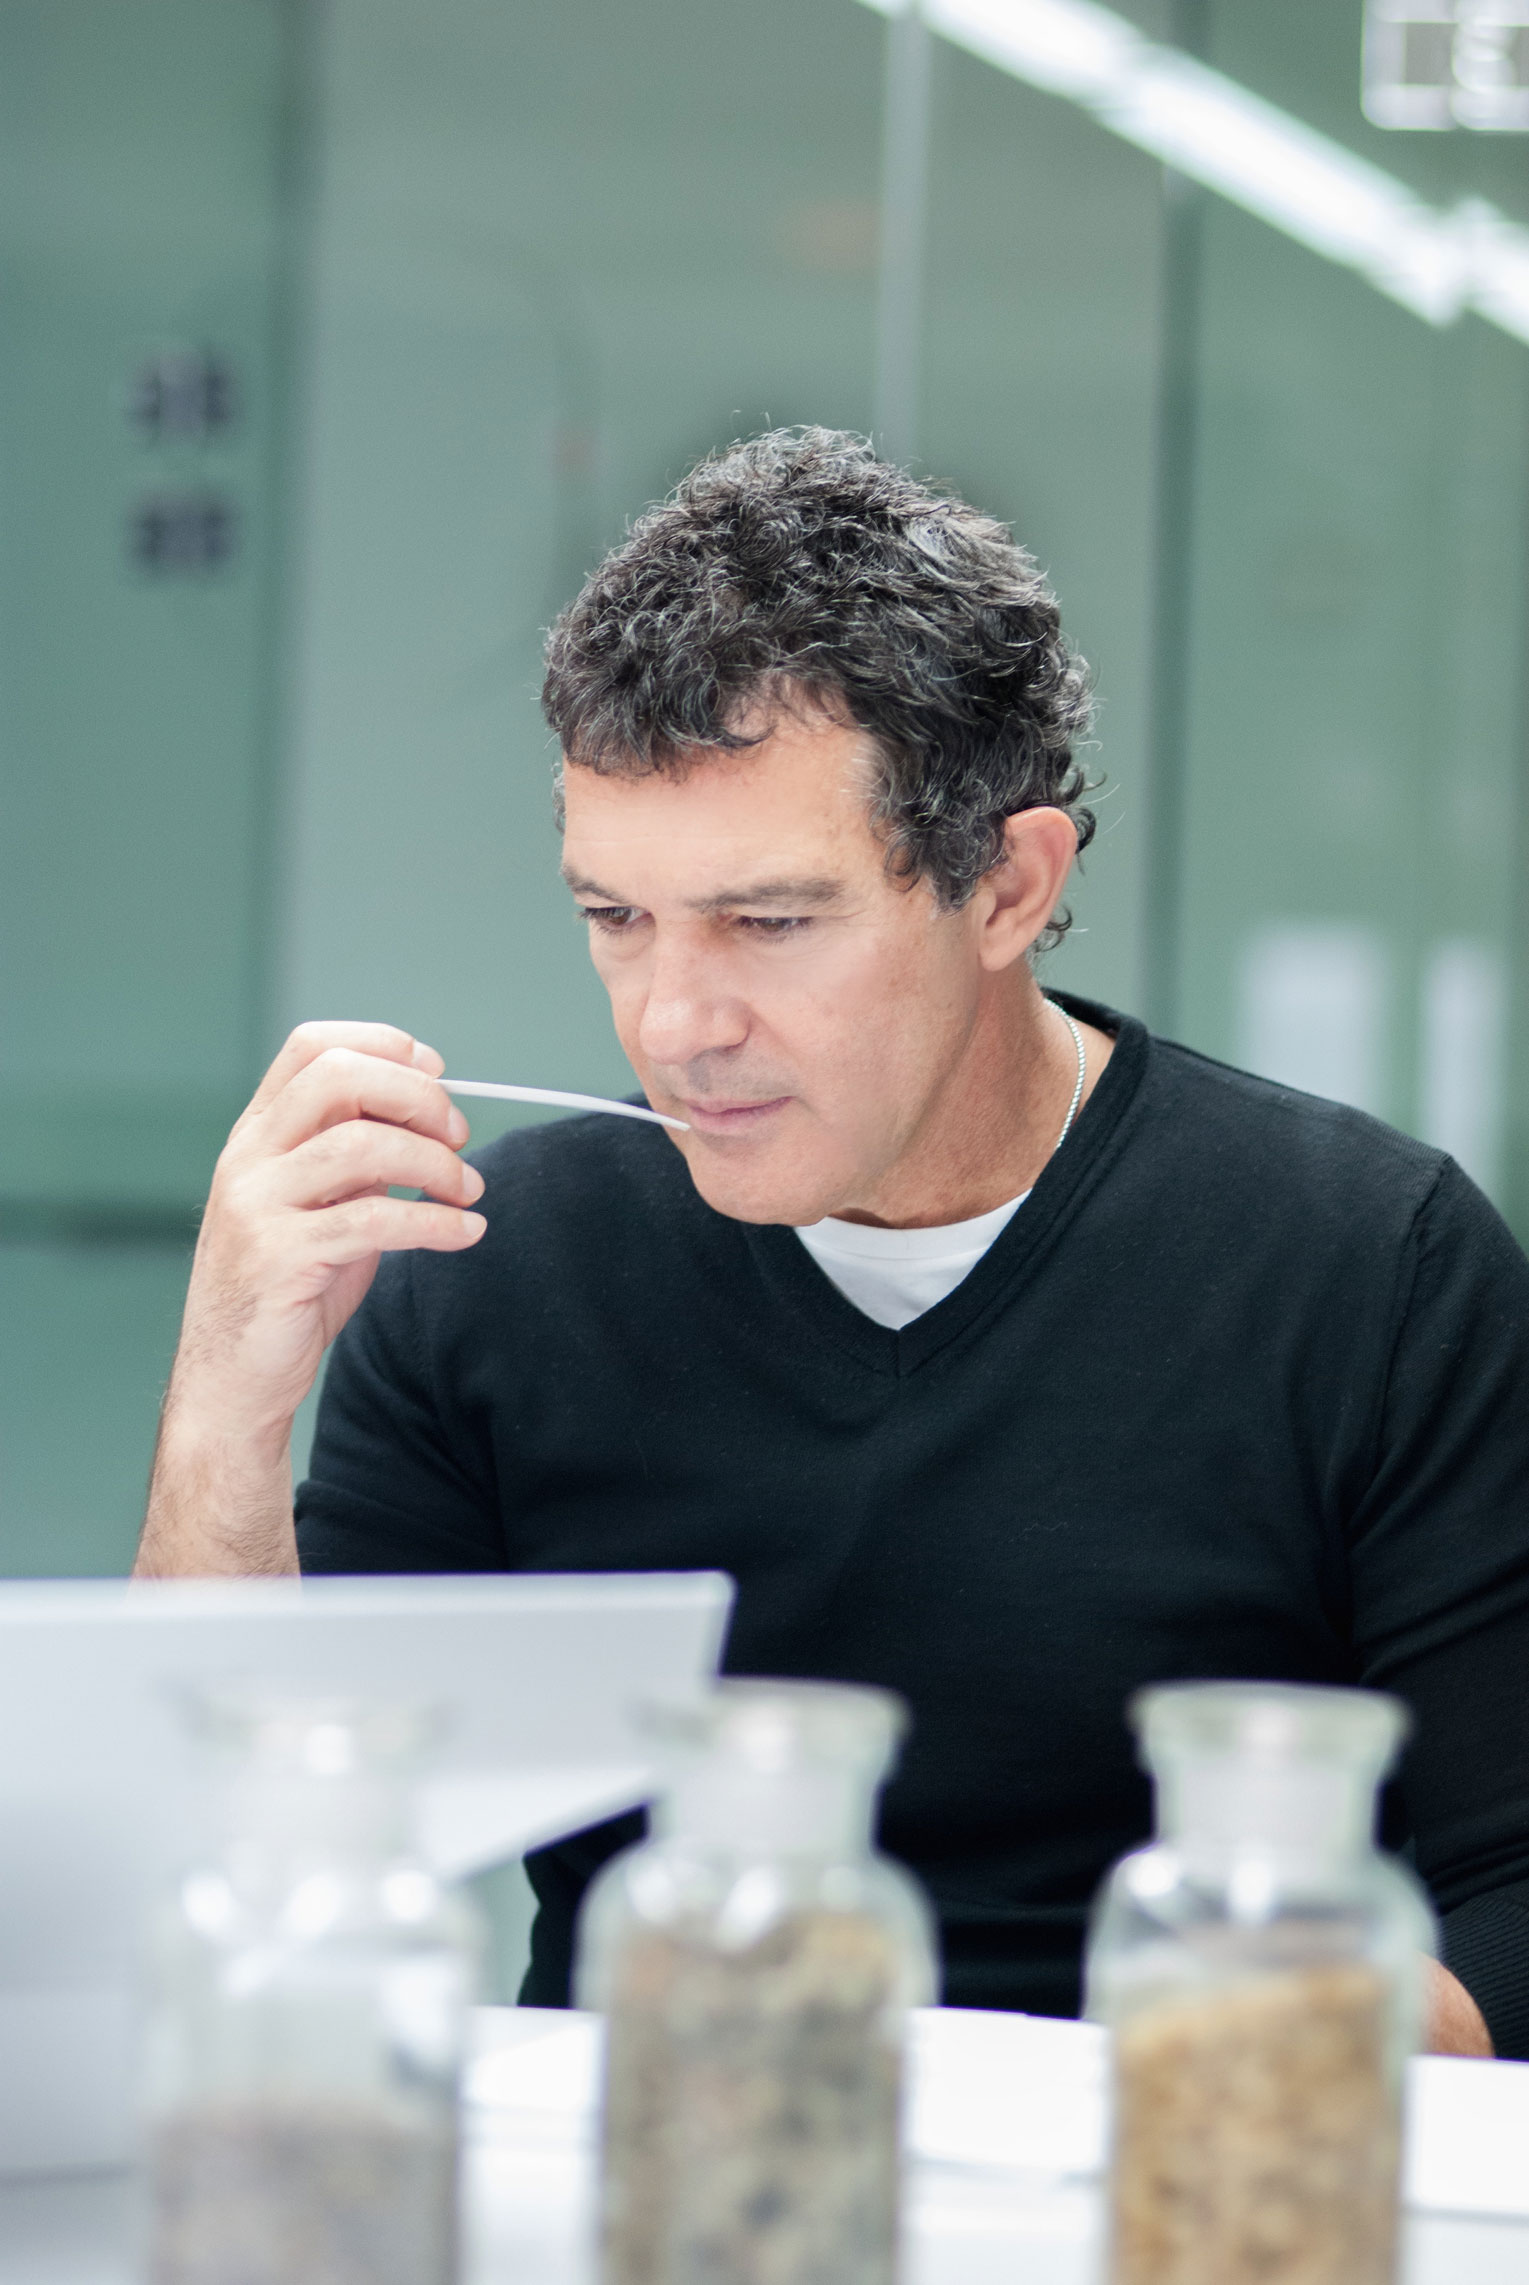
995, 1118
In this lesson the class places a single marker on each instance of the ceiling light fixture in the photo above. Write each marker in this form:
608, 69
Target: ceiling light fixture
1218, 133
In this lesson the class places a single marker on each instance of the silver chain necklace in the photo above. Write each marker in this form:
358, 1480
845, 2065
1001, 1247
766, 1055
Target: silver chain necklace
1077, 1093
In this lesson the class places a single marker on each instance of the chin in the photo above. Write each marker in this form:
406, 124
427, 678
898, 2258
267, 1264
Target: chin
756, 1193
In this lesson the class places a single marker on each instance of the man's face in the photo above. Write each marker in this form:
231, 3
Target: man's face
770, 982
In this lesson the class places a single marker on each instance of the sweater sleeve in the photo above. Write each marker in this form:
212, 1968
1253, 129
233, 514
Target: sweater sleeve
397, 1481
1486, 1943
1440, 1569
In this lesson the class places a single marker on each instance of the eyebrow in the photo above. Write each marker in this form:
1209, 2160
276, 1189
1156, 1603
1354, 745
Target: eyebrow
814, 891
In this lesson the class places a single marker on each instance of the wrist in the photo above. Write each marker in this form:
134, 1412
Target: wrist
199, 1427
220, 1500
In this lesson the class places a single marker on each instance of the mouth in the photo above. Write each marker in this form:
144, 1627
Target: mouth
732, 1118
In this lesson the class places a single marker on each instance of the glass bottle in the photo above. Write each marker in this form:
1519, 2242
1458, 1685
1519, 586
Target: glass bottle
1260, 1966
309, 2017
756, 1961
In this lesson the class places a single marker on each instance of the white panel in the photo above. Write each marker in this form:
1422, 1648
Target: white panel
1460, 1055
1313, 1006
67, 2086
101, 1795
1022, 2096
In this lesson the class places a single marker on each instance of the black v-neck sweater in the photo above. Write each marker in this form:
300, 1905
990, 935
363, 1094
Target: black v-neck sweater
1241, 1390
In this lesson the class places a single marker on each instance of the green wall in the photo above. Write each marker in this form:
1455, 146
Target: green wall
141, 153
554, 263
489, 275
139, 150
559, 254
1353, 755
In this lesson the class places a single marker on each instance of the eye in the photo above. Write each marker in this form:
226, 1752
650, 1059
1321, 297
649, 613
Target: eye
759, 924
610, 919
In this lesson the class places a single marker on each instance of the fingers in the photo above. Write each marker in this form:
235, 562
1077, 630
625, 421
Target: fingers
347, 1233
345, 1112
365, 1154
383, 1041
344, 1083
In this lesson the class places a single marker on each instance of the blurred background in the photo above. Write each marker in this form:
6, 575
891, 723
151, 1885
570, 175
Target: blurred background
339, 337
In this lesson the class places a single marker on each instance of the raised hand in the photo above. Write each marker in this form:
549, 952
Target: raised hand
296, 1222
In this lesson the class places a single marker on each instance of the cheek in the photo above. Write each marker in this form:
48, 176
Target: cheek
911, 1014
865, 1019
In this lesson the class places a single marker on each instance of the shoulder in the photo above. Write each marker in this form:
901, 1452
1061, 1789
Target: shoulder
580, 1211
1224, 1180
590, 1165
1243, 1133
1222, 1138
591, 1204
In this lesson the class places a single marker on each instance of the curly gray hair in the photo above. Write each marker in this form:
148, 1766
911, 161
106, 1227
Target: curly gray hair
799, 566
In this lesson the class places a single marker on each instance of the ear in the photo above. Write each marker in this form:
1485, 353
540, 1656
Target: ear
1017, 896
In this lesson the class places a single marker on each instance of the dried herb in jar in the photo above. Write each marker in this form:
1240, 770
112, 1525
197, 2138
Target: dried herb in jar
752, 2106
302, 2193
1256, 2135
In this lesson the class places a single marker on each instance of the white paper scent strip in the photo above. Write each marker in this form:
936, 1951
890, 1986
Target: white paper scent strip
503, 1094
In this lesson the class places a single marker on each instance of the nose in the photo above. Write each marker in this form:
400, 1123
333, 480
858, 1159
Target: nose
688, 1010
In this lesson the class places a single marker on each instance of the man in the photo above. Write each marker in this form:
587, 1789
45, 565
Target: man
1004, 1355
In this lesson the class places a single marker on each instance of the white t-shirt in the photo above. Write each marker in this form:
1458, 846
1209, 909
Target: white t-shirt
895, 1275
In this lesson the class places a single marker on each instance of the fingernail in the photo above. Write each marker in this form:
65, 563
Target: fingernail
473, 1225
473, 1182
457, 1128
425, 1059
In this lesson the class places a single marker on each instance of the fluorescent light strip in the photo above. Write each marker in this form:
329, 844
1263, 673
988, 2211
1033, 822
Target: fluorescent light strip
1220, 134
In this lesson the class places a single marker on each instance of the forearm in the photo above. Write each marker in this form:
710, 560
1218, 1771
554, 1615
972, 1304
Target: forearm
220, 1504
1486, 1943
1452, 2023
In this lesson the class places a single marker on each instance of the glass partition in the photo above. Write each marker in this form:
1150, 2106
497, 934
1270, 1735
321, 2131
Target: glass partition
338, 342
1345, 889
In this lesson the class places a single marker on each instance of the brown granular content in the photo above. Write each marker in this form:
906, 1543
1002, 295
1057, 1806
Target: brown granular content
302, 2192
1256, 2137
752, 2107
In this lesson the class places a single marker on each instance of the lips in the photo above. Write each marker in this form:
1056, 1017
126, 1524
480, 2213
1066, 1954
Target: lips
732, 1118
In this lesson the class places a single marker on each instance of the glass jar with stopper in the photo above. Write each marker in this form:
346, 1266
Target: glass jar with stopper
309, 2013
1260, 1966
756, 1960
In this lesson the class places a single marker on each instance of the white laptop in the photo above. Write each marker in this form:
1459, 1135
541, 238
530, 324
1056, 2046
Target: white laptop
99, 1782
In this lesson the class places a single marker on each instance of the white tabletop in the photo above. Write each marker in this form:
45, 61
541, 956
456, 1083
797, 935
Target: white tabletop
1004, 2136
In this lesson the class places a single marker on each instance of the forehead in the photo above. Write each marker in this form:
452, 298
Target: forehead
794, 806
